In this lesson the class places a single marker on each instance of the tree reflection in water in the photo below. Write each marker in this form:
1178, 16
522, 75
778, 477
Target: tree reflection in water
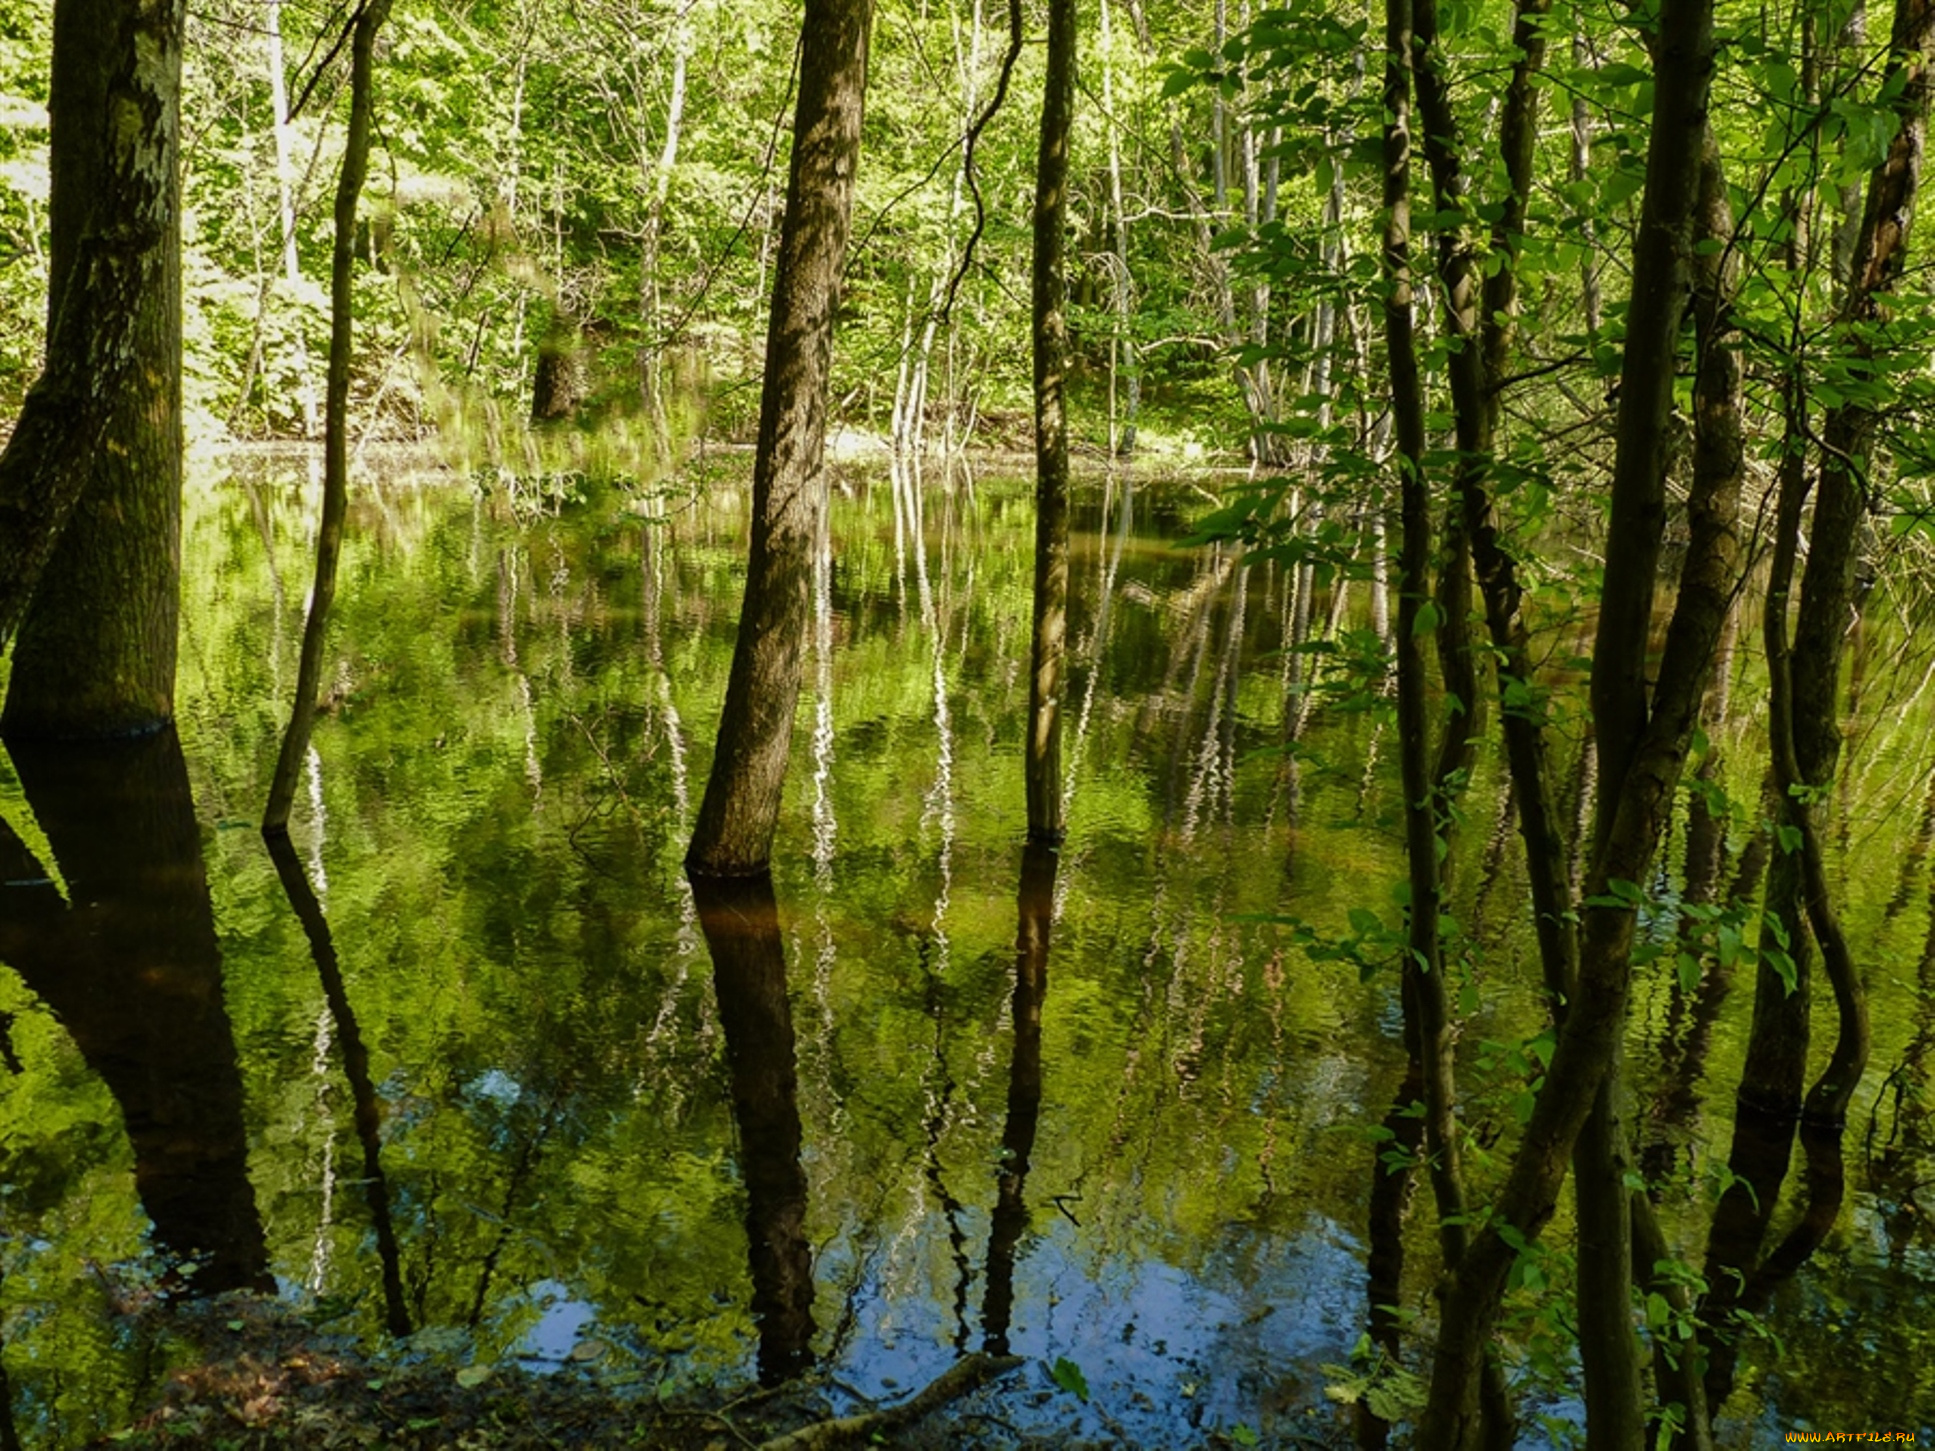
129, 963
740, 919
1036, 901
356, 1068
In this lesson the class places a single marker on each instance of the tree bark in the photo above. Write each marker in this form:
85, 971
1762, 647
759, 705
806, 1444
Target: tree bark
1840, 514
90, 484
1638, 796
737, 818
562, 379
1044, 760
1476, 405
335, 489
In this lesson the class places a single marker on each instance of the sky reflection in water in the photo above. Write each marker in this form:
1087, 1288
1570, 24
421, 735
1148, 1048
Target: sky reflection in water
593, 1128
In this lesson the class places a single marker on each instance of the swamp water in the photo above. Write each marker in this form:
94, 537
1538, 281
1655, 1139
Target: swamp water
471, 1062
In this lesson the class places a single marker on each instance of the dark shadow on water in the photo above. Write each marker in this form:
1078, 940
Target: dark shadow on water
130, 965
1392, 1183
1036, 911
740, 919
1825, 1187
356, 1068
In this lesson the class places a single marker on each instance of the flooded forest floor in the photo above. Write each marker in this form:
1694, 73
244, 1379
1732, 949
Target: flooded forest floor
267, 1379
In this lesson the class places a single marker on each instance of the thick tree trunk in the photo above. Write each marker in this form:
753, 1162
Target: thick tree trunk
562, 379
90, 485
1044, 761
335, 489
734, 835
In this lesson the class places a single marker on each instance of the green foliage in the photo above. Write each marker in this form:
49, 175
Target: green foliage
1068, 1375
1386, 1388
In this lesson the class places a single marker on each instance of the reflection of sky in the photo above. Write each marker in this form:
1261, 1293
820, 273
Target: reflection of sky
517, 969
1168, 1353
561, 1320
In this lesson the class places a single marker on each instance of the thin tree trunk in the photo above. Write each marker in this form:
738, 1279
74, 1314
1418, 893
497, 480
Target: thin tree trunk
335, 490
1638, 797
1840, 515
285, 194
1045, 685
737, 818
1123, 358
651, 303
1427, 1007
1476, 409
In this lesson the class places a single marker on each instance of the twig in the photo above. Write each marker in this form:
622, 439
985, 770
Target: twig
967, 1374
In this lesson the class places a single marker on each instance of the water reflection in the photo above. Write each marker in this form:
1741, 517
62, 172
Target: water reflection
520, 711
1825, 1187
128, 961
1036, 904
356, 1068
740, 919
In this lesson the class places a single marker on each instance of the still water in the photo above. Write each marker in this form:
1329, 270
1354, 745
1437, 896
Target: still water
470, 1063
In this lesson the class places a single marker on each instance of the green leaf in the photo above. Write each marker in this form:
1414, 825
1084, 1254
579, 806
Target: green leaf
1243, 1435
1068, 1375
472, 1376
1659, 1314
1729, 940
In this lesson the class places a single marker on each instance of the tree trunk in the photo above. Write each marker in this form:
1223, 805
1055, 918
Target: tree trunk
734, 836
1840, 515
562, 379
1480, 334
1427, 791
90, 484
1637, 797
1124, 365
335, 489
1044, 761
285, 193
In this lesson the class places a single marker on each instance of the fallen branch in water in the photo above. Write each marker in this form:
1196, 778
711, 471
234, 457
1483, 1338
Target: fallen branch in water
969, 1373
